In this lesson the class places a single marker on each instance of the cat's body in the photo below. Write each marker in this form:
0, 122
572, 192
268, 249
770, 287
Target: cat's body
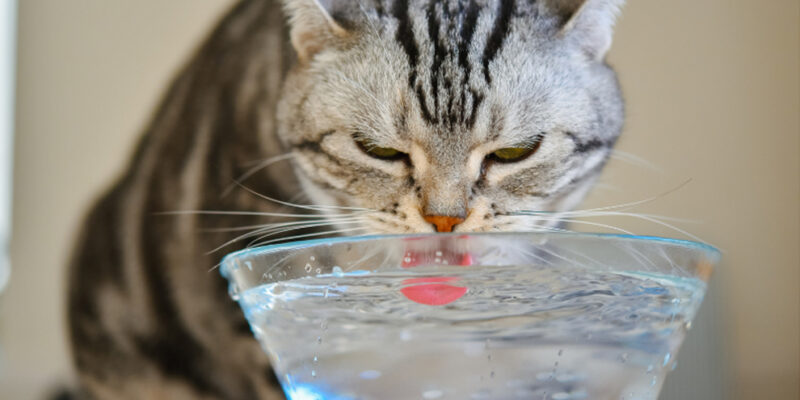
434, 115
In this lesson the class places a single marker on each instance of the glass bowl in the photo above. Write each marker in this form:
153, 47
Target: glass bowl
472, 316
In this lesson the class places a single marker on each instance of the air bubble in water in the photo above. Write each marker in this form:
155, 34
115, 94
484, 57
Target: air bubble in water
312, 258
308, 267
337, 271
438, 253
313, 373
319, 270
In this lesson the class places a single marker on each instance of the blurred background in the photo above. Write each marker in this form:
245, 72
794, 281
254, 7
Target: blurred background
712, 97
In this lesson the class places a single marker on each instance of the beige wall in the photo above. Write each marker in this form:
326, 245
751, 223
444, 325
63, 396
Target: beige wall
712, 90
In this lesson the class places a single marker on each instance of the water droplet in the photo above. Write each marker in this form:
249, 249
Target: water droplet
407, 260
308, 267
432, 394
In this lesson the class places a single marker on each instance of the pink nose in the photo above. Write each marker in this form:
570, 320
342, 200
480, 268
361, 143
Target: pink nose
443, 224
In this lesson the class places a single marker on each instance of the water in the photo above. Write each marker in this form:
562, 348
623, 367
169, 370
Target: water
473, 333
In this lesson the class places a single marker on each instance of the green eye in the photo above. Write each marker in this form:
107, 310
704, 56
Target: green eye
383, 153
512, 153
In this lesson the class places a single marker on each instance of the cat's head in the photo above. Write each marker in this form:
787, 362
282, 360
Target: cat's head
450, 114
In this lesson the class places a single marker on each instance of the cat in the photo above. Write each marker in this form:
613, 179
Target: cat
434, 115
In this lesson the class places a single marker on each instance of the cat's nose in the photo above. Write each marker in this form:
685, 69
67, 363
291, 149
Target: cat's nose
443, 223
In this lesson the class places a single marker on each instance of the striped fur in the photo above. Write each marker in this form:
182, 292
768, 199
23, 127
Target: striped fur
446, 82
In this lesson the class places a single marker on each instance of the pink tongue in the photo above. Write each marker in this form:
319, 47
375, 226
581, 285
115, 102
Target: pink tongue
430, 291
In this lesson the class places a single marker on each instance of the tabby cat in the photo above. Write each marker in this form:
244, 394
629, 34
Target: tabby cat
434, 115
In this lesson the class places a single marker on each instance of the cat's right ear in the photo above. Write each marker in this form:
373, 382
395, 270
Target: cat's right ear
589, 22
312, 26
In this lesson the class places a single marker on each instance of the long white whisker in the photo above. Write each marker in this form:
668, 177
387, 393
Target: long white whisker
260, 226
577, 221
250, 213
280, 230
274, 229
261, 165
302, 206
311, 235
634, 160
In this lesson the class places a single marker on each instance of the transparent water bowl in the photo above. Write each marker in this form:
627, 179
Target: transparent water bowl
472, 316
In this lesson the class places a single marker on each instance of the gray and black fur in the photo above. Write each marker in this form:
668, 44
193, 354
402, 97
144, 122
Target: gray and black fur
444, 82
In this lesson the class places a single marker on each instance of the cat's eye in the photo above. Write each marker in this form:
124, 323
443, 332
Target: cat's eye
514, 154
511, 153
383, 153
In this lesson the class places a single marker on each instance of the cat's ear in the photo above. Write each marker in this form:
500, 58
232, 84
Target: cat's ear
312, 26
589, 22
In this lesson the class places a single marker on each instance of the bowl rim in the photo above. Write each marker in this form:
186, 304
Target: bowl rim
711, 252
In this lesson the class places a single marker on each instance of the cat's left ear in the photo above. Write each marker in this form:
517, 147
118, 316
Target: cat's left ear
589, 22
312, 26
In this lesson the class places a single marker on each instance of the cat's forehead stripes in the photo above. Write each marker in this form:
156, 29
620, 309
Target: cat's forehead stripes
450, 46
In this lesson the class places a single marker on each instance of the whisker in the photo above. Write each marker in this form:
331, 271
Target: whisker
274, 229
247, 213
311, 235
633, 159
279, 230
302, 206
261, 165
250, 227
577, 221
